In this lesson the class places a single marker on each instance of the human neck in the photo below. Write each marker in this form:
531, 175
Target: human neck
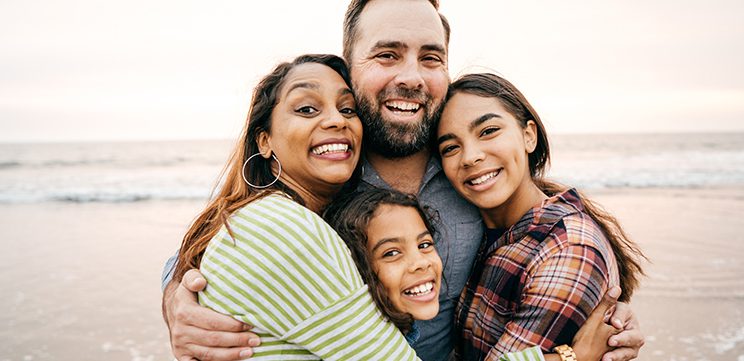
524, 198
403, 174
316, 199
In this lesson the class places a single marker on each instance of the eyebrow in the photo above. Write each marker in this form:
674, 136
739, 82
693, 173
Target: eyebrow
381, 242
387, 44
394, 44
303, 85
434, 47
345, 91
478, 121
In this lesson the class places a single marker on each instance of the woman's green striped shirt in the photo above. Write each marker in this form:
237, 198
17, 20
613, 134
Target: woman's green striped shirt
288, 273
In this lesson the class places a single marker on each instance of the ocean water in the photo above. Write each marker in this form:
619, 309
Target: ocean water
86, 227
187, 170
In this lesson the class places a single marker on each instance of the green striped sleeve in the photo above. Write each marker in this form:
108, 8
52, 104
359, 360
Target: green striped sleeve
530, 354
286, 272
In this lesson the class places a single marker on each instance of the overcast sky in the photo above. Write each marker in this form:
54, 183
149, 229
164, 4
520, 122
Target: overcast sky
166, 69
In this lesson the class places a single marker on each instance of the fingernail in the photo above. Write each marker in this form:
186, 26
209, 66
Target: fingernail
614, 292
253, 342
613, 342
247, 327
246, 353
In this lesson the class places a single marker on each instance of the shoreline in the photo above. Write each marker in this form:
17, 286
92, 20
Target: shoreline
82, 280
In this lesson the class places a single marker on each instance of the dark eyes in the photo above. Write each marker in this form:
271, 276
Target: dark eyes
489, 130
307, 110
310, 110
432, 59
425, 245
349, 111
447, 149
391, 253
392, 56
386, 56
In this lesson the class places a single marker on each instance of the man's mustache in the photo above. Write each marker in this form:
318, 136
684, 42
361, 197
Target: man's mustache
417, 95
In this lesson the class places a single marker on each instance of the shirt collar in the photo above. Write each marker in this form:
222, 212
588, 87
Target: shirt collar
370, 175
413, 335
539, 221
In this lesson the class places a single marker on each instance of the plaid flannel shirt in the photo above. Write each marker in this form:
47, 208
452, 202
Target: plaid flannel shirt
535, 283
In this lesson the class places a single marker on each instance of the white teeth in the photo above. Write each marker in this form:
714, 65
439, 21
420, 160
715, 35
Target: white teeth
420, 289
330, 148
401, 105
483, 178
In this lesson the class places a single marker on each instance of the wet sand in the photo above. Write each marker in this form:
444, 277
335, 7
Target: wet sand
81, 281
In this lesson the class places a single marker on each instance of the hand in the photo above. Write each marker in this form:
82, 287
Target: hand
630, 339
591, 342
198, 333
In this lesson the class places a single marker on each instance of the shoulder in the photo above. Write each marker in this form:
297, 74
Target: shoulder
563, 221
564, 228
276, 210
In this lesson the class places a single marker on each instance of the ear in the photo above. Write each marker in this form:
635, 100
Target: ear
264, 144
530, 136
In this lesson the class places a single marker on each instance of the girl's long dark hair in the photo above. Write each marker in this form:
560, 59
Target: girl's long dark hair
234, 193
349, 215
627, 252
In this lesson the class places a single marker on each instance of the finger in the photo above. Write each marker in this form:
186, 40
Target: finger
621, 354
193, 280
628, 338
228, 339
622, 316
209, 320
221, 354
608, 302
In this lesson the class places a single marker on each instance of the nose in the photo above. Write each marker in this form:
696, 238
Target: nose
471, 155
335, 119
418, 263
409, 75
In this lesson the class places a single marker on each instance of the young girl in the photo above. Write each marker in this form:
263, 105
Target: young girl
390, 236
550, 253
392, 244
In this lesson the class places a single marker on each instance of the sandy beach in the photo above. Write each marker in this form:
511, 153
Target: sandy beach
81, 281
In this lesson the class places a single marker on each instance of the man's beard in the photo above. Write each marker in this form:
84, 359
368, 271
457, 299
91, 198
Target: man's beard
394, 139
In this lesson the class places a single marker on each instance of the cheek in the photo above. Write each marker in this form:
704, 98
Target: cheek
438, 83
356, 128
450, 166
369, 80
436, 263
389, 277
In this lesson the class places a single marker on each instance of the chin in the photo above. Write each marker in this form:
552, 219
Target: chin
488, 201
427, 313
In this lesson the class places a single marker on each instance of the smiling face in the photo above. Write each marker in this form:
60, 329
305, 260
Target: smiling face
485, 151
399, 72
404, 258
315, 132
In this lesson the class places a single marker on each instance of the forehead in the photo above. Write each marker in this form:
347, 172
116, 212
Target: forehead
413, 22
466, 103
464, 108
312, 76
395, 220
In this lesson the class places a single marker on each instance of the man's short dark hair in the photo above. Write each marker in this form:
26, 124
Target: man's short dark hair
351, 25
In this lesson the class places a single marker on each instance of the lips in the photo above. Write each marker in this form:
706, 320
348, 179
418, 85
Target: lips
330, 148
402, 106
420, 290
478, 180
